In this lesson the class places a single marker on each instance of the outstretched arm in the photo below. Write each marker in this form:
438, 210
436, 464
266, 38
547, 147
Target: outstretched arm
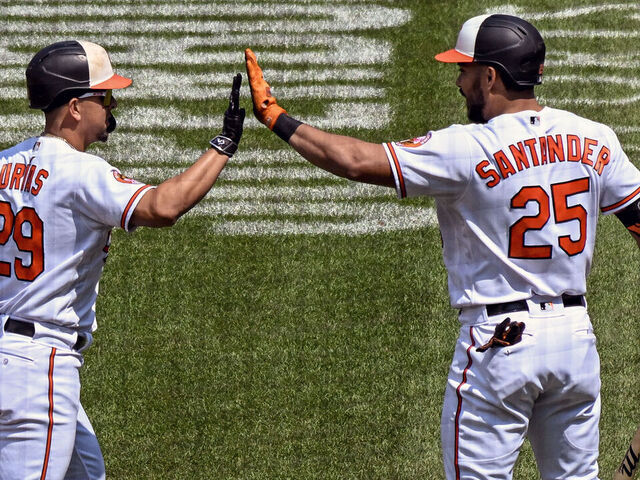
162, 206
343, 156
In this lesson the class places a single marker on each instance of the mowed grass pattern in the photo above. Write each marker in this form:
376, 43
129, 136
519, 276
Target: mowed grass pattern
321, 353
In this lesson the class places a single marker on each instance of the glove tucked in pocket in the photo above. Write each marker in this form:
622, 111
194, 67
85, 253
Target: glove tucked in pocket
506, 333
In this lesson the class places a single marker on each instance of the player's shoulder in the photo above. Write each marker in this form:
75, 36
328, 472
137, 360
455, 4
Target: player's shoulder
575, 121
19, 149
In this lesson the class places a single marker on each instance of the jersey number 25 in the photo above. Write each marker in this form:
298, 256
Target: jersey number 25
560, 192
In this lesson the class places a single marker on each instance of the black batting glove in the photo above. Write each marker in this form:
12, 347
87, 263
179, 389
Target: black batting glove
227, 142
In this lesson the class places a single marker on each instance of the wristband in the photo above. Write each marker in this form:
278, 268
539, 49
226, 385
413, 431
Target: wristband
224, 145
285, 126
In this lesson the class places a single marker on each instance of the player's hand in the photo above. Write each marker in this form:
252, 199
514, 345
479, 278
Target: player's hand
265, 107
227, 142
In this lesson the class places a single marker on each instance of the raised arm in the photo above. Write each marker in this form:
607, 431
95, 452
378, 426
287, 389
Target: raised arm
162, 206
343, 156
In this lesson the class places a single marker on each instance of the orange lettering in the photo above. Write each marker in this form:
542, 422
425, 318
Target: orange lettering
573, 148
504, 165
531, 144
543, 150
42, 174
18, 173
485, 174
520, 156
588, 150
603, 160
27, 183
4, 175
556, 149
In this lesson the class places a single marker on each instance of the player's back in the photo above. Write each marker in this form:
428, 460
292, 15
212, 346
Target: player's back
51, 251
526, 222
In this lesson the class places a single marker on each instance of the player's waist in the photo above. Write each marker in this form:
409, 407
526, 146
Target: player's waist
536, 305
48, 334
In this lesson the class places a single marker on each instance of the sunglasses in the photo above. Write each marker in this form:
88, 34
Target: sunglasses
106, 94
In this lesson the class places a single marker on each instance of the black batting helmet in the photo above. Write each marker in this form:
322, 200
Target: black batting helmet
69, 66
509, 43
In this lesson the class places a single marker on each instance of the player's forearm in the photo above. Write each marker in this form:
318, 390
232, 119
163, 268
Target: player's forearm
343, 156
164, 205
177, 195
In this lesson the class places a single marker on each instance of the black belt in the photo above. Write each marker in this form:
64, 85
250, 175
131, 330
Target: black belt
29, 330
521, 305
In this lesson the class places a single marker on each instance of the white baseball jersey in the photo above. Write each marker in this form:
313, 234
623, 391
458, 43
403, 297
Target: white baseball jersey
517, 200
57, 208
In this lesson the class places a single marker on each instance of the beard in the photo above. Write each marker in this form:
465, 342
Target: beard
476, 104
111, 126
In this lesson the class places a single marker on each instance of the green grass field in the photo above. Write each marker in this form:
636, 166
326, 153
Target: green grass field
227, 349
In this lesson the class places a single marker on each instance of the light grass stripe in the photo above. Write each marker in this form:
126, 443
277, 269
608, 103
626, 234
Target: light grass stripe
591, 102
142, 50
350, 190
583, 59
632, 82
140, 149
622, 129
338, 115
345, 19
564, 13
325, 209
165, 88
247, 173
373, 15
586, 33
385, 217
216, 77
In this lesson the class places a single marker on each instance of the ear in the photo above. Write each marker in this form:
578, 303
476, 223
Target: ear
491, 75
73, 108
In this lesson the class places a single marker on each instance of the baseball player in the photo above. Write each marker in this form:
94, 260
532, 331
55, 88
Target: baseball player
518, 193
58, 205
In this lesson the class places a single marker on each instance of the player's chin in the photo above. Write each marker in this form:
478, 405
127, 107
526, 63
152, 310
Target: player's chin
103, 136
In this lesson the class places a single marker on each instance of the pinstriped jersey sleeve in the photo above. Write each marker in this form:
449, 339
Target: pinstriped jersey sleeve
620, 178
106, 196
437, 164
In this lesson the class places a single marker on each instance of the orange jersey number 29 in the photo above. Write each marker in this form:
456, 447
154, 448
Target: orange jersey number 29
27, 231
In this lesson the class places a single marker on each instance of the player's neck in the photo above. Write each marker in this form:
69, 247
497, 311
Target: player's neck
71, 137
504, 105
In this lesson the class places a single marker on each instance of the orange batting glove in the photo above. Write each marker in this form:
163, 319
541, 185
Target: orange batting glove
265, 107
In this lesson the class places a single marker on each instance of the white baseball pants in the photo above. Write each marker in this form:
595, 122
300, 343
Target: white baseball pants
44, 431
546, 388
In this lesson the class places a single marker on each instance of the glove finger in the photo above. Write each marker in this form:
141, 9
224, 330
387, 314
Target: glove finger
234, 98
260, 88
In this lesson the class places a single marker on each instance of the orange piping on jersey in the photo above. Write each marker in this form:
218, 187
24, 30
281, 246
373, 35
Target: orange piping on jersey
459, 408
126, 210
403, 192
47, 451
621, 202
634, 228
